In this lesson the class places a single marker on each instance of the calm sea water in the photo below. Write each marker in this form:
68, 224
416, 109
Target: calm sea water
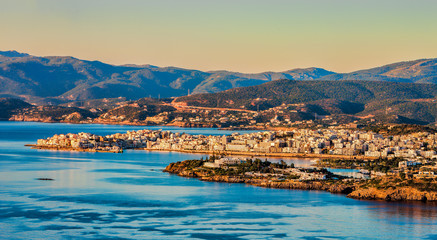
127, 196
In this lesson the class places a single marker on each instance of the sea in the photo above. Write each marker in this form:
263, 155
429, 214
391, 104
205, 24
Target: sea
127, 196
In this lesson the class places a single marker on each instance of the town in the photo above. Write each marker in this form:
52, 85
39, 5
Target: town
344, 143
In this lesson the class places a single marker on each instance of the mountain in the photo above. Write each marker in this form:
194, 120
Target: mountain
62, 79
418, 71
13, 54
56, 80
67, 78
223, 80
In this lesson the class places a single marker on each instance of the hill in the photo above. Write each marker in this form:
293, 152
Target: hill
389, 101
8, 106
278, 92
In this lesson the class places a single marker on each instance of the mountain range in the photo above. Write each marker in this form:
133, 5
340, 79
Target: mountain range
55, 79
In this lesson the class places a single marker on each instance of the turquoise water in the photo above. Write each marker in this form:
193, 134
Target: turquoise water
127, 196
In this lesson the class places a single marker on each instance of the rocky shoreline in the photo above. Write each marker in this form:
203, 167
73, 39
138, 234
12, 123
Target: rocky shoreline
394, 194
353, 189
21, 118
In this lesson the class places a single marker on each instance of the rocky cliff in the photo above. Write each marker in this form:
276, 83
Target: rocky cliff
394, 194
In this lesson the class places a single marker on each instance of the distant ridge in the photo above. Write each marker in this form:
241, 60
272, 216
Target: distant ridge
13, 53
57, 79
417, 71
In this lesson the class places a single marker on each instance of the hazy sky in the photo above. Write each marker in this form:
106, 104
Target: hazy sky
237, 35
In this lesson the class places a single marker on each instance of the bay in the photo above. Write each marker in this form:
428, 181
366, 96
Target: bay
127, 196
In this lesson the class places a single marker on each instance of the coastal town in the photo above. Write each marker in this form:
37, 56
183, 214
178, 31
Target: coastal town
344, 143
386, 167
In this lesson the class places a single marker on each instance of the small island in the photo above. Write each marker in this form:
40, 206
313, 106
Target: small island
398, 182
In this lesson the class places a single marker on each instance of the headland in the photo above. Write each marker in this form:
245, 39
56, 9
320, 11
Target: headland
389, 187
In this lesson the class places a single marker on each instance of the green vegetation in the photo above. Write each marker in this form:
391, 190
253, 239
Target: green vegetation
388, 101
390, 187
290, 91
58, 113
382, 164
402, 129
258, 165
192, 164
378, 165
420, 111
251, 166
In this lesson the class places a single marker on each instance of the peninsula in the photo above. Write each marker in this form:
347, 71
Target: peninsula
396, 185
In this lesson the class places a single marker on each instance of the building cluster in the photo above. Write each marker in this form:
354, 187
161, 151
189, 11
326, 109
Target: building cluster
302, 141
82, 141
221, 118
301, 174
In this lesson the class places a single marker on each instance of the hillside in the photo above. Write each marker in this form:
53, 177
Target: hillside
277, 92
55, 80
388, 101
8, 107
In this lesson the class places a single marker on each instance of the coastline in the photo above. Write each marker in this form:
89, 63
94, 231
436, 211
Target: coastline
127, 123
272, 155
226, 153
360, 190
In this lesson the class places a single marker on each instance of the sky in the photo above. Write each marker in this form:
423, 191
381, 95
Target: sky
235, 35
